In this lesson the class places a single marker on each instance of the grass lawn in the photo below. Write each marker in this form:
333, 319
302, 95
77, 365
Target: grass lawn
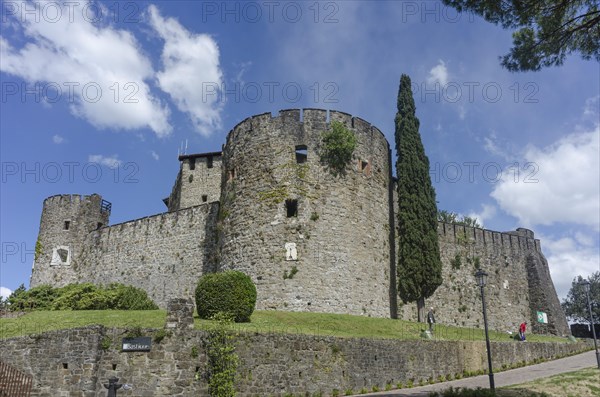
320, 324
582, 383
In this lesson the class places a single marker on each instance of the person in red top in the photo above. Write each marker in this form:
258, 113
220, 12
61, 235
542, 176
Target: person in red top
522, 329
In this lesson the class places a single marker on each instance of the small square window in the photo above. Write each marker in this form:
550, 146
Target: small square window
192, 164
99, 225
301, 154
67, 225
209, 162
204, 198
291, 207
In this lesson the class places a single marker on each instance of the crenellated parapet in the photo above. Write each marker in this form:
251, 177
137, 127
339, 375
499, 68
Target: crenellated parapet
522, 239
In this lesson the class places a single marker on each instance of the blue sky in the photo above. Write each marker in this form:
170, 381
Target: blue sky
98, 98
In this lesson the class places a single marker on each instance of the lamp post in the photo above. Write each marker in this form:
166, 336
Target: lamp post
481, 278
586, 286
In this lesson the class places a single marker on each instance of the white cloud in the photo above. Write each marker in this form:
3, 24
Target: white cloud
565, 187
438, 74
154, 155
191, 71
104, 69
58, 139
487, 213
568, 258
110, 162
5, 292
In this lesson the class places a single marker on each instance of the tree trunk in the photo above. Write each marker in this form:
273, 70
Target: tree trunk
421, 310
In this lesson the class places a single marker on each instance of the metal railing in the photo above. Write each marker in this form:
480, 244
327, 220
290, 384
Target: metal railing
106, 206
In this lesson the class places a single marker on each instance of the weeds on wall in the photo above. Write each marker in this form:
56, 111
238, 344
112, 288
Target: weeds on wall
222, 359
338, 145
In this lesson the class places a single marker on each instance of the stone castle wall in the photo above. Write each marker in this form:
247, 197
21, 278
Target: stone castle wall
506, 257
334, 253
76, 362
340, 232
164, 254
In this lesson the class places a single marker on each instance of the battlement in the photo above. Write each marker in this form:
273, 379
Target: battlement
185, 214
63, 199
522, 239
288, 119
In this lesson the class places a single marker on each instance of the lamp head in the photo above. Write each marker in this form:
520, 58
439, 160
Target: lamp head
481, 277
586, 285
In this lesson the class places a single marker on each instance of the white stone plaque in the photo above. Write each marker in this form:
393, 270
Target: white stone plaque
291, 254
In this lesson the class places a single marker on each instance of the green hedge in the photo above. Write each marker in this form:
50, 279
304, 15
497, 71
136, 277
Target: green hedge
229, 292
84, 296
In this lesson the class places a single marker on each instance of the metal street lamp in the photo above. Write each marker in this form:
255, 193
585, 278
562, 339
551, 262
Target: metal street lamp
481, 278
586, 287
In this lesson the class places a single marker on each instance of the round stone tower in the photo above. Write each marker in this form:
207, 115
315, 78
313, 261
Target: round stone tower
65, 223
310, 240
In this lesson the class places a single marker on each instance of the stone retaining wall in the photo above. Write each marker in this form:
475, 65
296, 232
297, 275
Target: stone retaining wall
76, 362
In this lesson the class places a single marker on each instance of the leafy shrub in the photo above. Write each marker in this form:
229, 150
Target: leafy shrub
128, 297
85, 296
230, 292
338, 146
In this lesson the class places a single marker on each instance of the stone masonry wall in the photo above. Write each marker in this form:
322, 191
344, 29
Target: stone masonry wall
505, 257
341, 229
164, 254
83, 214
76, 362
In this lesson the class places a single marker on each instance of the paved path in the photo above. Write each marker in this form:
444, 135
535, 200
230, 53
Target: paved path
504, 378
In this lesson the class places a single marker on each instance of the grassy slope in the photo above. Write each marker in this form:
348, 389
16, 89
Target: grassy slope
262, 321
582, 383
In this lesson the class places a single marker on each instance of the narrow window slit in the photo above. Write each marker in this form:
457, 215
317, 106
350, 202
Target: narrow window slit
301, 154
291, 207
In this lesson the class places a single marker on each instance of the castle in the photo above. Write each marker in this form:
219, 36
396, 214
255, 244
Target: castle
310, 240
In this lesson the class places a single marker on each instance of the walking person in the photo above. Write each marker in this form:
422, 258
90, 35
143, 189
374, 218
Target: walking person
522, 329
431, 319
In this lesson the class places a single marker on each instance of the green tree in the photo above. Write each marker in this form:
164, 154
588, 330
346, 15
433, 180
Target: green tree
16, 300
419, 266
546, 31
453, 217
575, 305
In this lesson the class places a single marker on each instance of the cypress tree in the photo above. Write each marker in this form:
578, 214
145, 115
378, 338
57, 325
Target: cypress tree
419, 270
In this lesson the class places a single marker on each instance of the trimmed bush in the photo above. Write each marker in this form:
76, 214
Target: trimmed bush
229, 292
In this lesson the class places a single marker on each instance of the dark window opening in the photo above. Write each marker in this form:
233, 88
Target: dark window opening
114, 367
192, 164
364, 165
291, 207
204, 198
65, 365
63, 254
99, 225
231, 174
301, 154
67, 225
209, 162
